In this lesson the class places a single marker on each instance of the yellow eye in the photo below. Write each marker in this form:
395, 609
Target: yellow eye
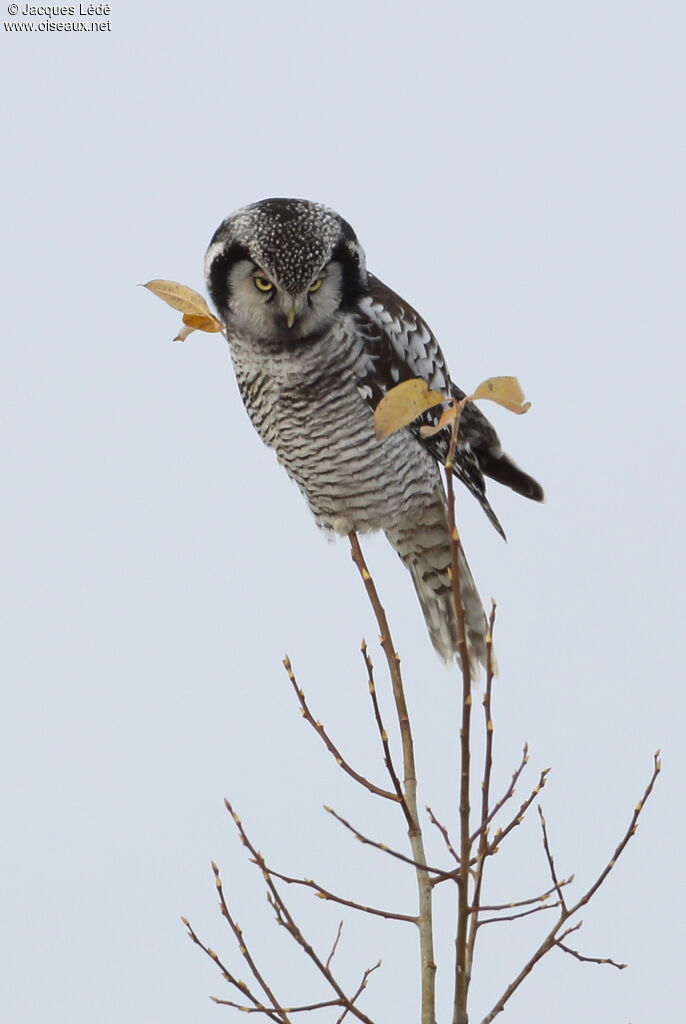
262, 284
316, 285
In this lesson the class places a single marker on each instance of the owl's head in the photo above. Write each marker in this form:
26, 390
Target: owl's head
282, 269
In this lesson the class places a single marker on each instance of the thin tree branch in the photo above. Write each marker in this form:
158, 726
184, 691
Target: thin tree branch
324, 894
485, 790
501, 834
335, 945
388, 760
328, 743
424, 916
621, 846
444, 832
462, 966
520, 903
590, 959
393, 662
515, 917
568, 931
360, 989
238, 933
286, 919
506, 796
262, 1009
553, 938
276, 1013
550, 859
366, 841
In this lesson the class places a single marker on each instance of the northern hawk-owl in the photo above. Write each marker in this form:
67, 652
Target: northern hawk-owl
316, 341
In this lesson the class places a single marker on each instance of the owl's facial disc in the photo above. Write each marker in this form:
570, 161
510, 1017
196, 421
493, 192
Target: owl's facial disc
256, 301
283, 269
268, 289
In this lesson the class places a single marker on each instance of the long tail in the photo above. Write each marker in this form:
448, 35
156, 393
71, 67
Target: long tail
424, 547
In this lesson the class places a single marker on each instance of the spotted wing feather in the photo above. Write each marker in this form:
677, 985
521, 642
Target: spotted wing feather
401, 346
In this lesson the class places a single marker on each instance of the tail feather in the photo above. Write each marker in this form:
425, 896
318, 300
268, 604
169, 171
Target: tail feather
501, 468
479, 433
425, 550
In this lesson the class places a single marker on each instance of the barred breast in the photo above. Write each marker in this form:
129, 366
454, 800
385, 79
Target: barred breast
304, 403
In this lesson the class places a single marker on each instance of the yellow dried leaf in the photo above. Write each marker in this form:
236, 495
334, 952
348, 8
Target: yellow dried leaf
402, 404
205, 322
506, 391
179, 296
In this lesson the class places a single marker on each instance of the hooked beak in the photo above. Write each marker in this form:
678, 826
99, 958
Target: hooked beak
290, 307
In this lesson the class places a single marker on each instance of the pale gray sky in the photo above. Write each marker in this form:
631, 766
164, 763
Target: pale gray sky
516, 170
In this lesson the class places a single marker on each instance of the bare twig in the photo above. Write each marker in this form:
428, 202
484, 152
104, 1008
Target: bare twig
515, 917
324, 894
520, 903
462, 966
444, 832
360, 989
554, 938
568, 931
550, 859
388, 760
238, 933
335, 944
488, 751
657, 768
485, 790
590, 959
326, 740
286, 919
276, 1012
506, 796
501, 834
366, 841
424, 916
393, 662
263, 1009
